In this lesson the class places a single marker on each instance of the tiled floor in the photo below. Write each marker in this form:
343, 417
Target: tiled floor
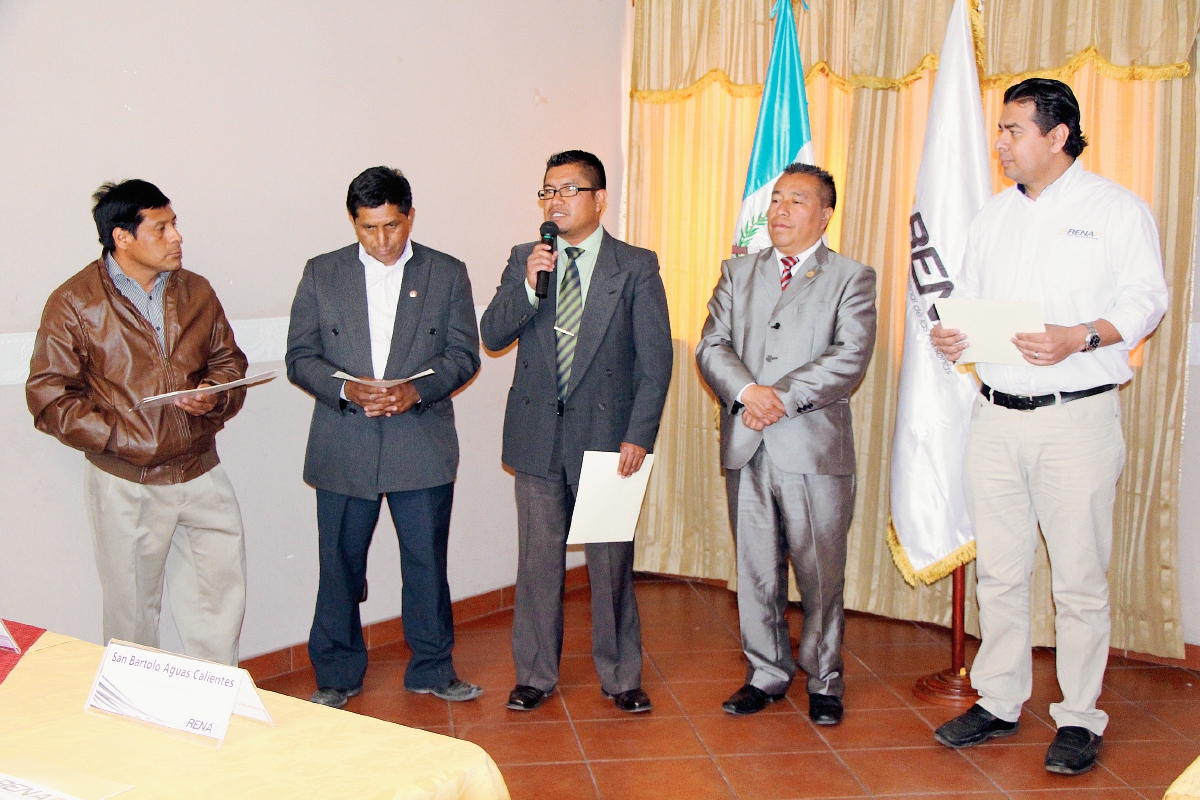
578, 746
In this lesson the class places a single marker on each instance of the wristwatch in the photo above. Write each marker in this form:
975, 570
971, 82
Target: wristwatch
1093, 338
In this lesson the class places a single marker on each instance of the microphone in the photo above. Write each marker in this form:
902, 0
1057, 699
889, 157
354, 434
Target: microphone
548, 232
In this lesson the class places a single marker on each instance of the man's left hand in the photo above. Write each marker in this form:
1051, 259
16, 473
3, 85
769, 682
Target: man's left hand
198, 406
752, 422
395, 400
1051, 347
632, 457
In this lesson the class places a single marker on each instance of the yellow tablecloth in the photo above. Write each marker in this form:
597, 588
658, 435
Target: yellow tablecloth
311, 752
1187, 785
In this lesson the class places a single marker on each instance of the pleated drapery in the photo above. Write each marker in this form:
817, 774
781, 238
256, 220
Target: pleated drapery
697, 75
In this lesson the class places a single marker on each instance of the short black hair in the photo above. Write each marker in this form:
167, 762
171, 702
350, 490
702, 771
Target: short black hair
379, 186
828, 189
591, 165
120, 205
1055, 105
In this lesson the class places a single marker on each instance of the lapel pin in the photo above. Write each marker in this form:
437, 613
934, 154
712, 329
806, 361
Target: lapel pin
810, 273
412, 292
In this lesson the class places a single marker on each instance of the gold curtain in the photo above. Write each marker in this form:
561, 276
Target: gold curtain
1127, 39
884, 43
698, 68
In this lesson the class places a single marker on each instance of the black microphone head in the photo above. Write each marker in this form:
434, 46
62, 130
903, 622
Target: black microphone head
548, 230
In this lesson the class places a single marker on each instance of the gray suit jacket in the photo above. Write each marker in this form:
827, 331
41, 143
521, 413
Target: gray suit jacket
622, 363
811, 343
362, 456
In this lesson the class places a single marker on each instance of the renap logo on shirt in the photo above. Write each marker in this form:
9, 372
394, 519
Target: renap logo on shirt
1080, 233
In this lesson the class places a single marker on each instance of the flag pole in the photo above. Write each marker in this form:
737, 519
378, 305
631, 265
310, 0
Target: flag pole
952, 687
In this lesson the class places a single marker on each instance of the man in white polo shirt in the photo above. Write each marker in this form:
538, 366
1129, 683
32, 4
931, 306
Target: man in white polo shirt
1045, 446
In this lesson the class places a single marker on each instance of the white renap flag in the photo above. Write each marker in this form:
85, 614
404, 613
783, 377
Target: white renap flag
930, 533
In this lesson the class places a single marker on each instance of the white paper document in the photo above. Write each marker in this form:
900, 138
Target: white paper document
30, 778
990, 326
171, 397
608, 505
173, 691
7, 642
381, 384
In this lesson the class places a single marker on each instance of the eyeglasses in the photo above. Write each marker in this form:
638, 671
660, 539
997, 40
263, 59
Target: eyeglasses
566, 191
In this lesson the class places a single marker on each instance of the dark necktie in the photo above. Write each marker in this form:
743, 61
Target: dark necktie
786, 276
567, 318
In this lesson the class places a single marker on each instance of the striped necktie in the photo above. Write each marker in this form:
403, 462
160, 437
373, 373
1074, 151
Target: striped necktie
568, 317
786, 276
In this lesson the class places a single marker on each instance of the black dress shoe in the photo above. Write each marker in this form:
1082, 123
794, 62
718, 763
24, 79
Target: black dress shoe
526, 698
824, 709
1073, 750
634, 701
748, 700
975, 726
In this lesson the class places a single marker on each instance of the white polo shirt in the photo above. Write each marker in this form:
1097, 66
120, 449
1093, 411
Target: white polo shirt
1086, 249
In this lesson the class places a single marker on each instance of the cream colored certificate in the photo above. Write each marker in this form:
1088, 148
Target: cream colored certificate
171, 397
608, 506
381, 384
990, 326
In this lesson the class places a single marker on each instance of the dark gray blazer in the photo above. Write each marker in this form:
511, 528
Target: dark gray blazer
622, 363
812, 343
362, 456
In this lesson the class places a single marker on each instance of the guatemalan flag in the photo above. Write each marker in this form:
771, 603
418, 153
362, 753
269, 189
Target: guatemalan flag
930, 533
783, 135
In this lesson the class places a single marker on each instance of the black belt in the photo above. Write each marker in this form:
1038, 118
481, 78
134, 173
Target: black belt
1023, 402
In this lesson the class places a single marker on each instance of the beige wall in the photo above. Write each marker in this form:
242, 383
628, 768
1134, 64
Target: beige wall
253, 117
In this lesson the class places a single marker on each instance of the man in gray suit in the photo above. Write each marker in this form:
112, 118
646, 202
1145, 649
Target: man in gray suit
789, 333
593, 366
382, 309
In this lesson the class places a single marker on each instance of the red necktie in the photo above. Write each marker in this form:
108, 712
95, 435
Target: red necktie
786, 277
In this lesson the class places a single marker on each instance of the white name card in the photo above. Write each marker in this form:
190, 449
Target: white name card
28, 778
28, 790
173, 691
7, 642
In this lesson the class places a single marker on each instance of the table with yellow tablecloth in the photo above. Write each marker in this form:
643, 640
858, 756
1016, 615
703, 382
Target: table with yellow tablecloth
312, 751
1187, 785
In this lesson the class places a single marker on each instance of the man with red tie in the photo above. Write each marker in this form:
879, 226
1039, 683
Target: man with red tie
789, 334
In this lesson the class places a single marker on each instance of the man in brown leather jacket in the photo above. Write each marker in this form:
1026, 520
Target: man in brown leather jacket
131, 325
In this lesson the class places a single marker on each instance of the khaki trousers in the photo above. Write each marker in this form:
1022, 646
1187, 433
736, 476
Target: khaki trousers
191, 533
1055, 466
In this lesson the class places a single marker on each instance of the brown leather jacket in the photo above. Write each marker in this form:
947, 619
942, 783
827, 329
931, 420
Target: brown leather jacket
96, 356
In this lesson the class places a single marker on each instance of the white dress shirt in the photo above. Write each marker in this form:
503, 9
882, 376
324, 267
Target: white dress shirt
1086, 249
383, 294
800, 259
